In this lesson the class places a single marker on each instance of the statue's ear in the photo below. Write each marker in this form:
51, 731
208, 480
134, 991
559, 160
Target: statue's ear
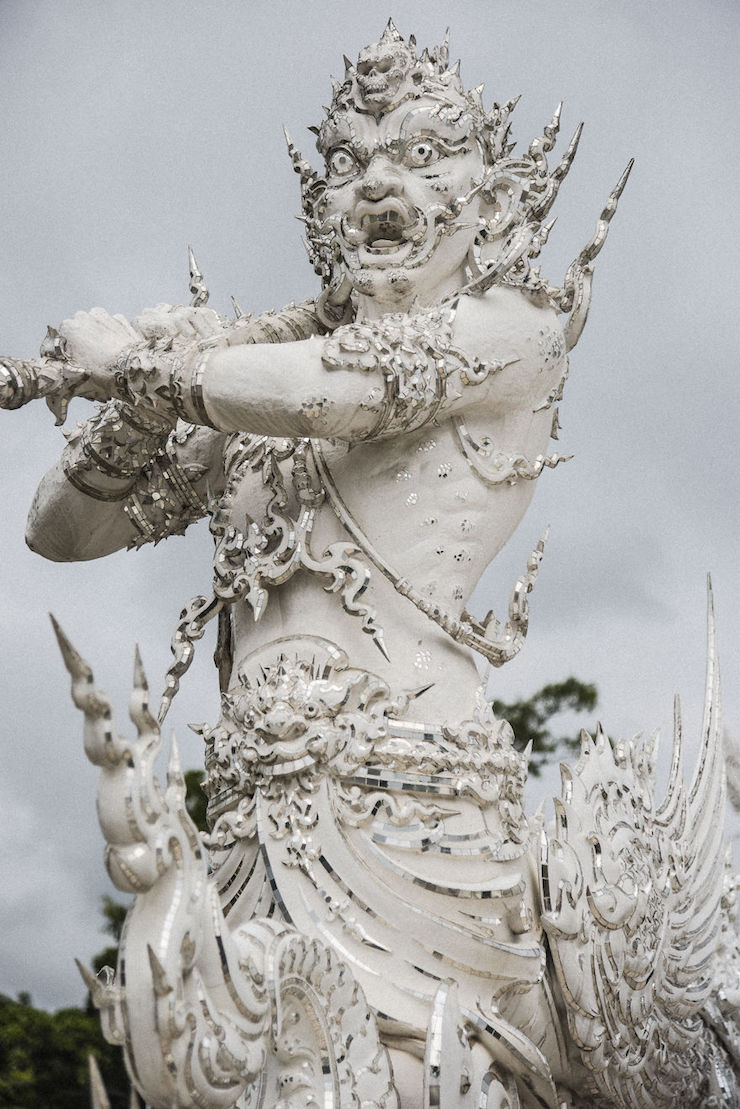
502, 209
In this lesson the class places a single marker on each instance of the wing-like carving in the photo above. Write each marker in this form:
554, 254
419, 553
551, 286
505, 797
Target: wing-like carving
631, 896
209, 1018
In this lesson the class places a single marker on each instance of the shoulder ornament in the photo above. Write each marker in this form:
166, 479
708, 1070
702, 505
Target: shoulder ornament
423, 372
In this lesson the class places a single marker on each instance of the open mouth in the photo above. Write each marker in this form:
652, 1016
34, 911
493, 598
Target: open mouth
383, 230
387, 232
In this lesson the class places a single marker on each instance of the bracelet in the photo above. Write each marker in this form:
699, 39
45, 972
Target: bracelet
117, 443
161, 381
165, 503
191, 408
415, 358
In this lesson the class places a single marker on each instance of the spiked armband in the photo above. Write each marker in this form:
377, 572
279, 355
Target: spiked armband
165, 501
422, 371
166, 378
164, 381
105, 456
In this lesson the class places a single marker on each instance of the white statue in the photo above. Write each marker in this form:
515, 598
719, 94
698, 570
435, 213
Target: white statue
380, 925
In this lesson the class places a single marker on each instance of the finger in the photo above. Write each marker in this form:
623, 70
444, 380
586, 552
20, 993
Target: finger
126, 328
155, 323
206, 322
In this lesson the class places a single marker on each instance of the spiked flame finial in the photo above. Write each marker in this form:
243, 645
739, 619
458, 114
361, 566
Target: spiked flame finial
300, 165
197, 286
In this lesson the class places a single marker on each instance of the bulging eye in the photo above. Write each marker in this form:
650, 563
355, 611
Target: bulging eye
341, 163
421, 153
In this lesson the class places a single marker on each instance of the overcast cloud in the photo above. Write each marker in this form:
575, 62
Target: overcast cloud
128, 130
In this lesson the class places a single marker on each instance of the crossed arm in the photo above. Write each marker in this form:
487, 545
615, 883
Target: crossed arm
365, 381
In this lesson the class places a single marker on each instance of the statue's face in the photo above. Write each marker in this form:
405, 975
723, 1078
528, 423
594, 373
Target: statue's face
391, 181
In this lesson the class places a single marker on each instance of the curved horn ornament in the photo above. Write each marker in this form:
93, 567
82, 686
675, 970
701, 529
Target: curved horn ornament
632, 896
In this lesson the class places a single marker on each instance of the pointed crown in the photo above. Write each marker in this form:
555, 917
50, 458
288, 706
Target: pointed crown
389, 72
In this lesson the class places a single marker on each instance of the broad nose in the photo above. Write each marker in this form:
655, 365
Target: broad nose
380, 179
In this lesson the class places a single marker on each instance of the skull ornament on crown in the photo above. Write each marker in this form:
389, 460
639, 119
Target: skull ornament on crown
384, 70
420, 197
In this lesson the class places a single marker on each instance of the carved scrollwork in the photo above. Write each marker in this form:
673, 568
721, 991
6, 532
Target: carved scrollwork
632, 906
263, 1016
422, 370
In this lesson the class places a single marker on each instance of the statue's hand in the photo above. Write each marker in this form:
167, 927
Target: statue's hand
94, 341
168, 321
101, 357
135, 362
22, 381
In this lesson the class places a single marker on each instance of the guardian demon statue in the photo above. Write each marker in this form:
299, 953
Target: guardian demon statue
379, 924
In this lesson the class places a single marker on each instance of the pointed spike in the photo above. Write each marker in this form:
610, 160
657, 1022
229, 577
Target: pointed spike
391, 32
335, 88
98, 1093
379, 641
619, 187
197, 287
420, 691
443, 51
592, 249
650, 752
586, 742
91, 982
174, 765
601, 741
140, 682
711, 718
138, 710
561, 820
348, 66
159, 976
238, 311
300, 165
314, 130
76, 666
561, 172
527, 752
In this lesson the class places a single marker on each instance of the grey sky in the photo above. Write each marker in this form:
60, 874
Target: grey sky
129, 130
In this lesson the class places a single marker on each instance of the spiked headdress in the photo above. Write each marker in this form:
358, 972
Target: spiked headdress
390, 72
519, 190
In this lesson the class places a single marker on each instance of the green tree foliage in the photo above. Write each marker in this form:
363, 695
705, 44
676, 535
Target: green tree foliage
43, 1058
531, 719
114, 914
195, 799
